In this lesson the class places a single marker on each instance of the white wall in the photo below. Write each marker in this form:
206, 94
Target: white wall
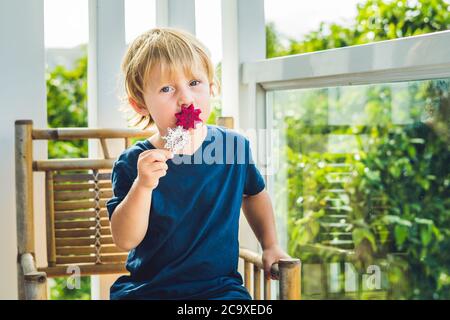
22, 96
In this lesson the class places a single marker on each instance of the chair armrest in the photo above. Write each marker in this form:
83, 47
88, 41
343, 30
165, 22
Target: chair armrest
288, 271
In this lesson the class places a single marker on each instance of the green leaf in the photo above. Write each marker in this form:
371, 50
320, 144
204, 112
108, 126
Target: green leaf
401, 234
359, 234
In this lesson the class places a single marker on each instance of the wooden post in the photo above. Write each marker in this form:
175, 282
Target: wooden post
24, 195
290, 279
267, 293
127, 143
104, 148
227, 122
256, 283
35, 281
50, 218
247, 275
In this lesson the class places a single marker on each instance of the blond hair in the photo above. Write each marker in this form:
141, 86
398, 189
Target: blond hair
173, 50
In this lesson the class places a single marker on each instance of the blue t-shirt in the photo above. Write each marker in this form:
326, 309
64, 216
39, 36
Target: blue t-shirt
191, 248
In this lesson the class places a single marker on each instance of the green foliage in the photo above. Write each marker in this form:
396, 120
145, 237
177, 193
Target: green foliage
383, 187
393, 201
60, 289
376, 20
67, 107
413, 180
388, 199
216, 102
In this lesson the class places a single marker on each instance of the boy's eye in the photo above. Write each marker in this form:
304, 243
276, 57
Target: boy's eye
166, 89
163, 89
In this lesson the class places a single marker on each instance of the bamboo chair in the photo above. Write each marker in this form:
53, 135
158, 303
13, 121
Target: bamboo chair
77, 225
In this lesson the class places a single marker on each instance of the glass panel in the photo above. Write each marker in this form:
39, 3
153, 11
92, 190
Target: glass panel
362, 188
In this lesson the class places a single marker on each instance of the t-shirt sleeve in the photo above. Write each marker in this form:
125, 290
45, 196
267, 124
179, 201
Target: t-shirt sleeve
121, 184
254, 181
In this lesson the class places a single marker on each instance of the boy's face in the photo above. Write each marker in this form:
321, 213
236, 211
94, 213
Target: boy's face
164, 97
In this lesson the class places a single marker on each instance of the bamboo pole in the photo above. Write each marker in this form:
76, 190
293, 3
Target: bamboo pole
113, 258
89, 133
86, 214
267, 294
83, 224
87, 269
81, 186
86, 250
256, 283
77, 177
35, 281
290, 279
24, 195
50, 218
83, 241
256, 259
247, 275
72, 164
250, 256
77, 233
80, 204
127, 143
81, 195
227, 122
104, 148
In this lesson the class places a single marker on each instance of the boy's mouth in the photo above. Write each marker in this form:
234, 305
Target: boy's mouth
188, 117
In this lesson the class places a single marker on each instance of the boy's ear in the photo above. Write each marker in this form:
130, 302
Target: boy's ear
139, 109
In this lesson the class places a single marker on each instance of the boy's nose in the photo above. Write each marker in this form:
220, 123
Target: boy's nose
185, 98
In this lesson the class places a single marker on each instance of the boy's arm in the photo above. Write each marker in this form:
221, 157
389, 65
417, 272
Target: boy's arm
259, 213
260, 216
129, 221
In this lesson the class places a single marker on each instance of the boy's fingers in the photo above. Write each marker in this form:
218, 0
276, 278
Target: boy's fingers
149, 153
168, 154
160, 166
156, 155
160, 173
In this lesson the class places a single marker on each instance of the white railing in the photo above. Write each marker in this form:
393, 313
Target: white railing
413, 58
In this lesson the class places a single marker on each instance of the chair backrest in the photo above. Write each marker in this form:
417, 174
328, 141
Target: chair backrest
76, 191
78, 226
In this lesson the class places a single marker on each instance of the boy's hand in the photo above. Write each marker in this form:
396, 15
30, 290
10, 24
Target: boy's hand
270, 256
151, 167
